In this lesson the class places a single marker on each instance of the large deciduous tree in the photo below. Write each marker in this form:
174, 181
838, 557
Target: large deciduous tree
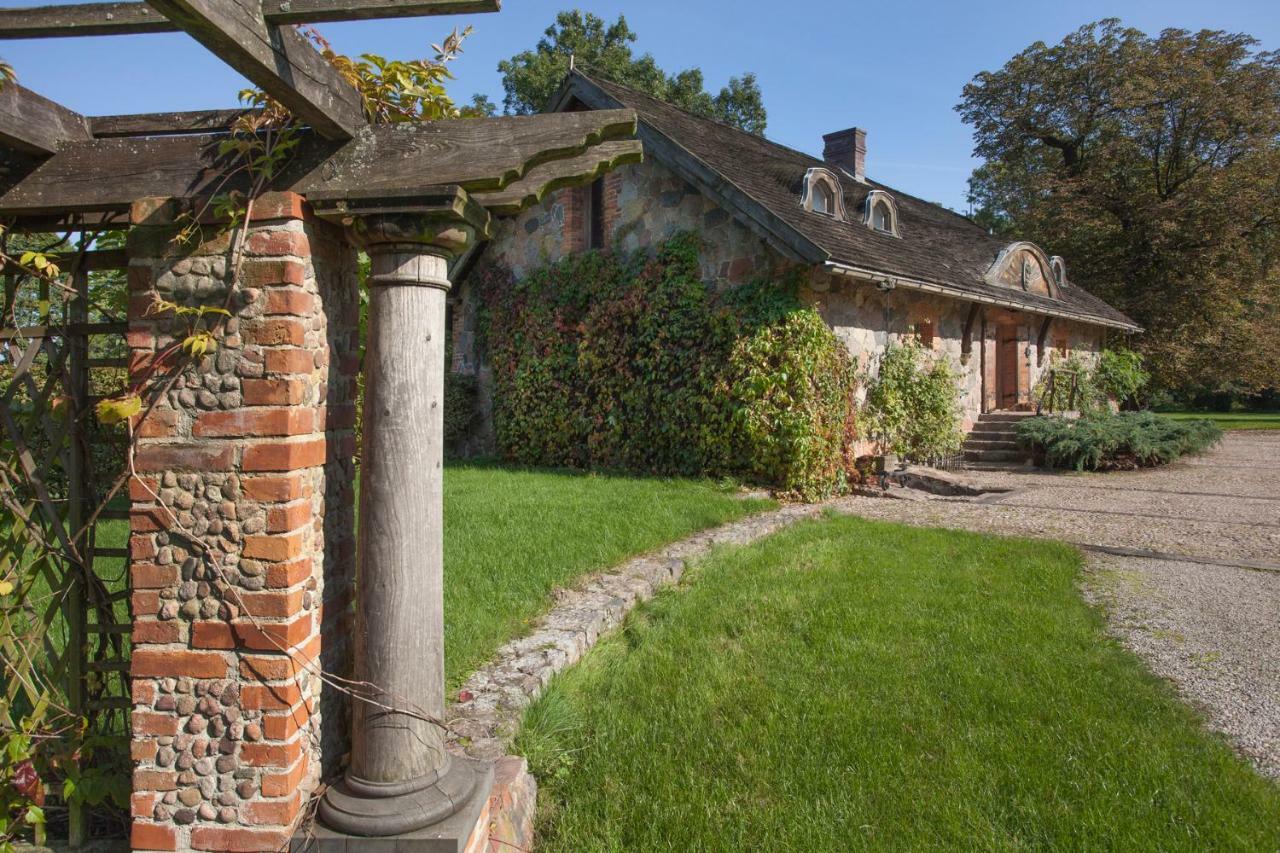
1152, 164
531, 77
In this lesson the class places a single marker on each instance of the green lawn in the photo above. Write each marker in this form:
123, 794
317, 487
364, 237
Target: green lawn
1231, 420
850, 684
513, 536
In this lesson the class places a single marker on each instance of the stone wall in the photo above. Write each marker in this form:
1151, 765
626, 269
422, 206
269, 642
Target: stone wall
242, 551
867, 319
645, 204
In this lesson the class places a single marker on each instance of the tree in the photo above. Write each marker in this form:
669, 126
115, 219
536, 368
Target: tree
531, 77
1153, 166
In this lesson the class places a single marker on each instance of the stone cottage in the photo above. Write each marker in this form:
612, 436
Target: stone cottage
878, 264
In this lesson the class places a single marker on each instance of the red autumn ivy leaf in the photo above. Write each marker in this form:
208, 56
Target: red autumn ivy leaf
26, 781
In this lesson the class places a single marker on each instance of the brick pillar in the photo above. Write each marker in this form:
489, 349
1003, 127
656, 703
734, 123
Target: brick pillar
242, 551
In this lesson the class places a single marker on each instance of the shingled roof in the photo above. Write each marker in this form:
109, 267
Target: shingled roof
762, 181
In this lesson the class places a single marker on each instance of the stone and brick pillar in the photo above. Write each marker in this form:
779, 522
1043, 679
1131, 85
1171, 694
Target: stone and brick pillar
242, 550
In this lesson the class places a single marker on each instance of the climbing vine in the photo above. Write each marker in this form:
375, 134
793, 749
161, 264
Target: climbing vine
912, 407
631, 362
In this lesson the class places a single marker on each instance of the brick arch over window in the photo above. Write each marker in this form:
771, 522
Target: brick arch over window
1024, 266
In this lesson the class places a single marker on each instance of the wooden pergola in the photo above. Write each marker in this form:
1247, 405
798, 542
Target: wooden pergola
414, 196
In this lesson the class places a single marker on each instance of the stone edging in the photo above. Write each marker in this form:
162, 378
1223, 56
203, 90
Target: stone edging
497, 694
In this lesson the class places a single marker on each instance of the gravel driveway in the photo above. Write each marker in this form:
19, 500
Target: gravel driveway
1185, 561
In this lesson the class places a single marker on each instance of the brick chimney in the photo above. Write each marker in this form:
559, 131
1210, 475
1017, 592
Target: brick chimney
847, 149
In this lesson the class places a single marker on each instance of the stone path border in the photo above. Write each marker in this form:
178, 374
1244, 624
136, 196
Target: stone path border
496, 695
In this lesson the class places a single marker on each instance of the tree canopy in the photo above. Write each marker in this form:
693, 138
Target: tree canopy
531, 77
1152, 164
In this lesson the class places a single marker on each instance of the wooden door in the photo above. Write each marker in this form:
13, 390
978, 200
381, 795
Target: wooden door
1007, 367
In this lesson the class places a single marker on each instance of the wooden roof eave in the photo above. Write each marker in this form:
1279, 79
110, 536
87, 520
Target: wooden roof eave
870, 275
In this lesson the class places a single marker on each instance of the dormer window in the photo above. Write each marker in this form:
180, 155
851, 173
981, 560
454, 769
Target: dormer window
823, 199
882, 213
882, 217
1059, 267
822, 194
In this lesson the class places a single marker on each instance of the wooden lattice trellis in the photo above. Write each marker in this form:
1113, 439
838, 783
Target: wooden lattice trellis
64, 628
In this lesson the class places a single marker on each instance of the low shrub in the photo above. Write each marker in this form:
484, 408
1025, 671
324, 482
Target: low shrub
1074, 387
1116, 374
631, 363
1119, 374
913, 404
1106, 441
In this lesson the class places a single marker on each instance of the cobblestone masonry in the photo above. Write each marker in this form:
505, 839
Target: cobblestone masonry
242, 525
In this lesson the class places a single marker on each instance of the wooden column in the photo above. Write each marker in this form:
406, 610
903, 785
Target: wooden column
401, 779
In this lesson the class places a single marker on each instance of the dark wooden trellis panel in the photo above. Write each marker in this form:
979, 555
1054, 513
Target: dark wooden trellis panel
65, 630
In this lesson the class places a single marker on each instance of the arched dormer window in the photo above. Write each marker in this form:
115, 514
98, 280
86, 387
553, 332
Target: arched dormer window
822, 194
881, 213
1059, 267
824, 201
881, 217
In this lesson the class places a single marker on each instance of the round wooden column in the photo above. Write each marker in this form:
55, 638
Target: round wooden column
401, 779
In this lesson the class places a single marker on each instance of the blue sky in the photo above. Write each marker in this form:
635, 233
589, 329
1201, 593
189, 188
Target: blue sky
894, 67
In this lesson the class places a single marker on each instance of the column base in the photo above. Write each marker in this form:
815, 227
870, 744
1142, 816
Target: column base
449, 815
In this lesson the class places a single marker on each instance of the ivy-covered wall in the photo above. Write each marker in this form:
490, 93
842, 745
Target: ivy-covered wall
632, 362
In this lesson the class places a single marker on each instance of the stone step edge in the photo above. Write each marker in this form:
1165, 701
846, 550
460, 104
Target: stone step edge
485, 716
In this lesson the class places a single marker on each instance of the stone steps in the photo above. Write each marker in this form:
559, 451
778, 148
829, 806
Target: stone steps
994, 438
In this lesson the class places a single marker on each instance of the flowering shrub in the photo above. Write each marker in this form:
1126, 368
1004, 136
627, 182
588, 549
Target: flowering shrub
632, 363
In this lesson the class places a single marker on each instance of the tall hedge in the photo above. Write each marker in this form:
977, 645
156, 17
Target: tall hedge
632, 363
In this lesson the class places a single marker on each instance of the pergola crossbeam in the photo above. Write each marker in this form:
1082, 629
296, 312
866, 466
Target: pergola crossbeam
385, 163
558, 174
127, 18
33, 124
164, 124
277, 59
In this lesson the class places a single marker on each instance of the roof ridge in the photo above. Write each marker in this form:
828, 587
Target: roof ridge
817, 161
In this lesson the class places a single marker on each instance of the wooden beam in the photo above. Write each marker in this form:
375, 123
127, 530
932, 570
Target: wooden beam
83, 19
164, 124
387, 161
966, 341
278, 60
104, 19
34, 124
1041, 339
327, 11
558, 174
478, 154
94, 260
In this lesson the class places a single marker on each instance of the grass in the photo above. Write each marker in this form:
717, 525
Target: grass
1231, 420
850, 684
512, 536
